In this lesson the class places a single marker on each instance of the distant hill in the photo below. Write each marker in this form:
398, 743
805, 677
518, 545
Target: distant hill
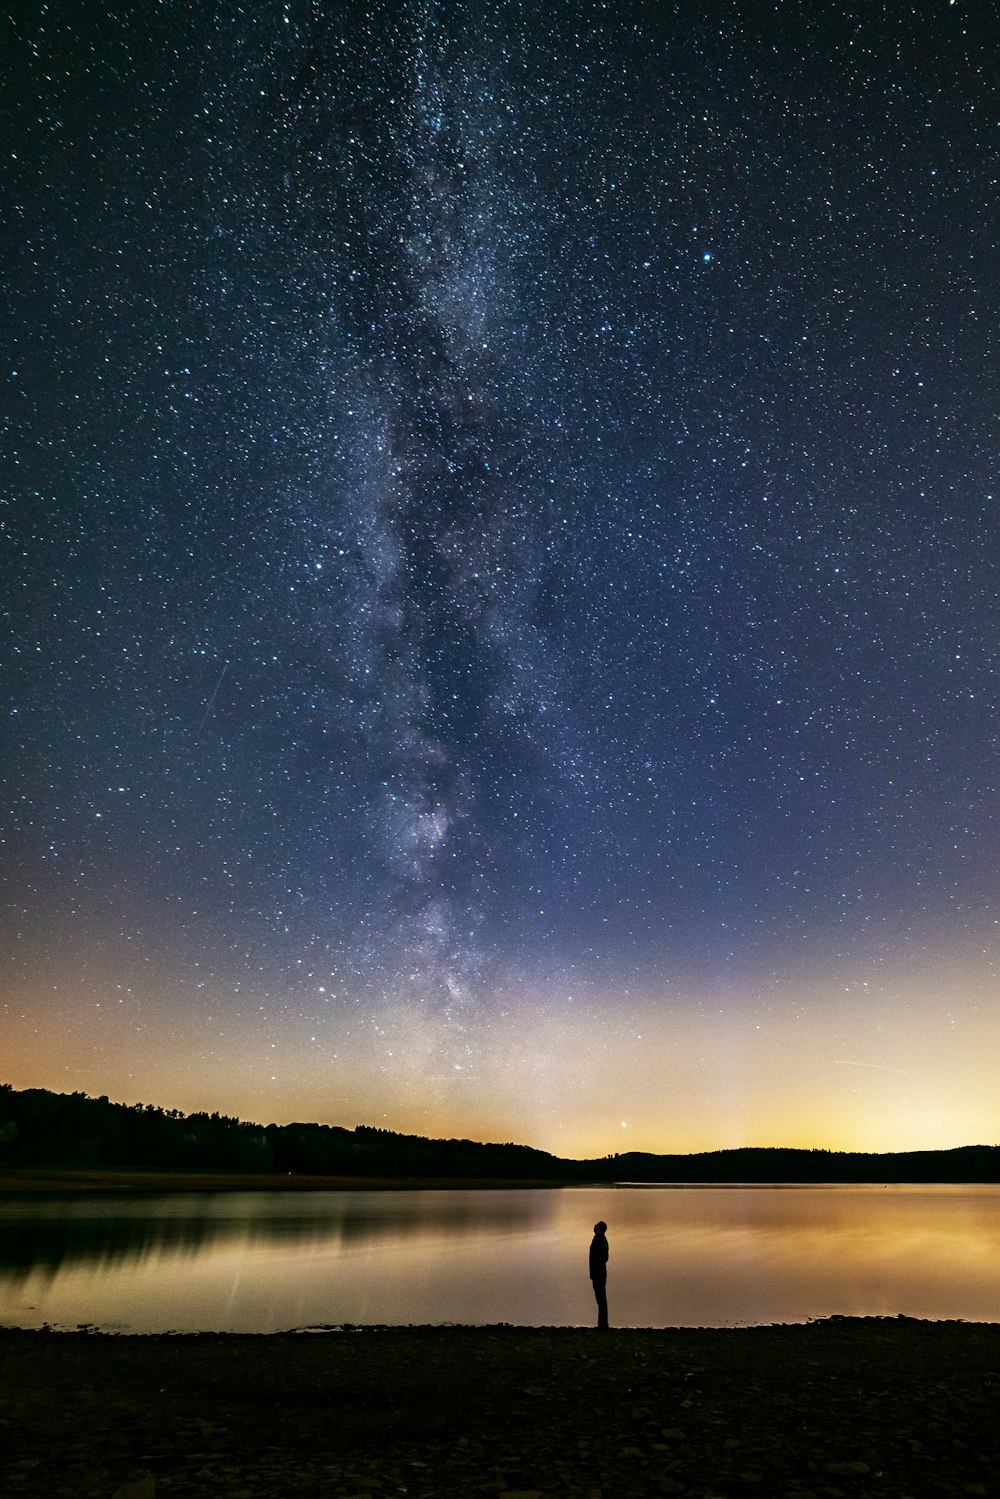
72, 1130
967, 1163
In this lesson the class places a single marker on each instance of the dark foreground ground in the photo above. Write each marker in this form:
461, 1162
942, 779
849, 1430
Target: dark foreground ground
841, 1407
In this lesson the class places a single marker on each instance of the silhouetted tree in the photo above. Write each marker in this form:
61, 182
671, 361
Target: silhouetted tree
39, 1128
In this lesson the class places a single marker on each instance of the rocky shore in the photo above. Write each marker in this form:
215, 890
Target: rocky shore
841, 1407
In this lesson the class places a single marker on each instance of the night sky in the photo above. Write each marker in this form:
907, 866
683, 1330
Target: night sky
500, 606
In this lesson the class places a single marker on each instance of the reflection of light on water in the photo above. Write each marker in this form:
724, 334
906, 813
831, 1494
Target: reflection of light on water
679, 1256
50, 1235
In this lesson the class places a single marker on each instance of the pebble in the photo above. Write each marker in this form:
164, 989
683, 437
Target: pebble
142, 1487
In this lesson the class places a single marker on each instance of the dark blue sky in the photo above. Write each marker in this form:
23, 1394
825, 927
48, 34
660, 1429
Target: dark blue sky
500, 511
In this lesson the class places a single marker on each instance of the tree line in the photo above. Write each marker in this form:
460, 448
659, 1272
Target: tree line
40, 1128
75, 1131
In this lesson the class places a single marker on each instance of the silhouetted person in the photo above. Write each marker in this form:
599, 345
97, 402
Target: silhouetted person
599, 1272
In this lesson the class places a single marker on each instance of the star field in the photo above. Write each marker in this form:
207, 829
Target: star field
501, 605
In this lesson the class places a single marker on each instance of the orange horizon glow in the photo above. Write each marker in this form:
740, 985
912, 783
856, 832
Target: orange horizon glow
808, 1062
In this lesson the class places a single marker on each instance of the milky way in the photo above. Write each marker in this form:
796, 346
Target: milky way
503, 564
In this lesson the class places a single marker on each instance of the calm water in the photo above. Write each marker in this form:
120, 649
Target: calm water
261, 1262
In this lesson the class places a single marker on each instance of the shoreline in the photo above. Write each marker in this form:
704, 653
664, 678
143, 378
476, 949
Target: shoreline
60, 1182
18, 1182
891, 1407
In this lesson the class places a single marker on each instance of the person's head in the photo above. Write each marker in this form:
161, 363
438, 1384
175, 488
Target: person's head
600, 1228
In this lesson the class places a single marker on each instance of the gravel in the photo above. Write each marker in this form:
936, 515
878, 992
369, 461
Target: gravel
842, 1407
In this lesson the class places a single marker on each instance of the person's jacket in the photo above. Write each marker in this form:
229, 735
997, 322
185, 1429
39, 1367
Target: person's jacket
598, 1257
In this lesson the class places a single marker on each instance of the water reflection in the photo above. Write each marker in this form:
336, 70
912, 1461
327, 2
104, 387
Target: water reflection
48, 1234
684, 1256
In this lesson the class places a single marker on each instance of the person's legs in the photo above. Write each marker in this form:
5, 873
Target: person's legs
601, 1297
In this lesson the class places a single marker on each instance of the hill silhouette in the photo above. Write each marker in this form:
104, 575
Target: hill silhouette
73, 1131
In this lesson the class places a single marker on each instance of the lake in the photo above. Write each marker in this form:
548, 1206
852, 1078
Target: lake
683, 1256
